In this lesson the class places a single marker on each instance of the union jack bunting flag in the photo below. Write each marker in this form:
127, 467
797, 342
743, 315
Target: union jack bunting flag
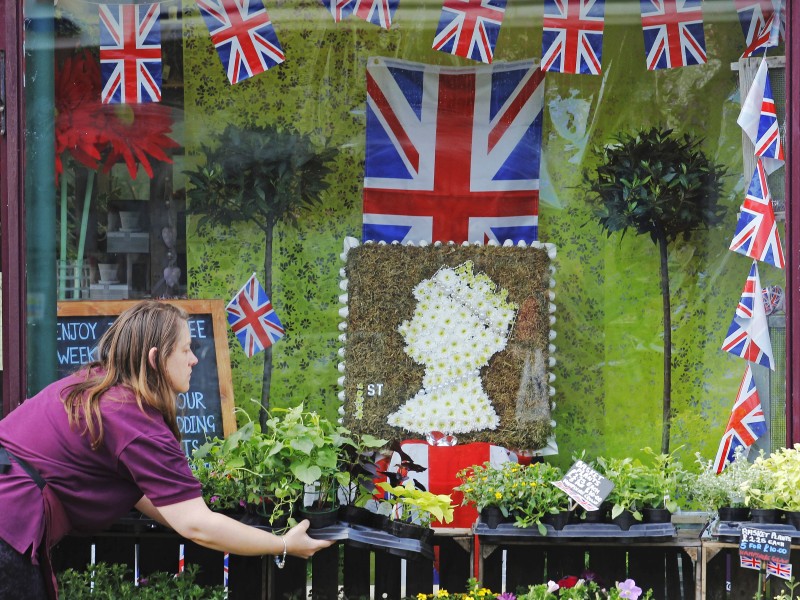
252, 318
377, 12
469, 28
673, 33
572, 36
243, 35
339, 9
452, 154
756, 230
746, 424
130, 53
748, 562
782, 570
756, 18
759, 120
748, 335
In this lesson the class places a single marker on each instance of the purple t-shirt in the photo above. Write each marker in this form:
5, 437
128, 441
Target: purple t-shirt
139, 456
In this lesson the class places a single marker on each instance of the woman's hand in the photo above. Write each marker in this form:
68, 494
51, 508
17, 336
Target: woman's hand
299, 544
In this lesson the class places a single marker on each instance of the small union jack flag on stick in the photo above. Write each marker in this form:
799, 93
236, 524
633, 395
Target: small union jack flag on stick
572, 36
243, 35
748, 335
748, 562
130, 53
756, 230
252, 318
469, 28
673, 33
746, 424
782, 570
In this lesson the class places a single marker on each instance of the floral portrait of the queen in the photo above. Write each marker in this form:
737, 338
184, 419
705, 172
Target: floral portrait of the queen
461, 320
446, 338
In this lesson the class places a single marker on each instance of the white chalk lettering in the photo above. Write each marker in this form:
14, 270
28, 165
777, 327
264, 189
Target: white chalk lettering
197, 424
191, 401
70, 332
197, 329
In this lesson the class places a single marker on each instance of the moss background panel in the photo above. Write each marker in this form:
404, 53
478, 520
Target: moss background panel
610, 334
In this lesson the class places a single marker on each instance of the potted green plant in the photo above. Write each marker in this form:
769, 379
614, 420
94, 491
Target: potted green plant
535, 501
663, 480
664, 186
491, 490
721, 493
782, 469
760, 493
358, 457
412, 510
628, 491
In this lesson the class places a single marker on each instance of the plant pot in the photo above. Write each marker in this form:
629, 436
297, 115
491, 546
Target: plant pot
129, 220
793, 518
764, 515
381, 522
108, 272
492, 516
656, 515
355, 515
403, 529
624, 520
320, 517
557, 520
596, 516
733, 514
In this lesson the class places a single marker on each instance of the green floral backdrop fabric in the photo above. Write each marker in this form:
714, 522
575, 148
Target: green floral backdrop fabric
609, 345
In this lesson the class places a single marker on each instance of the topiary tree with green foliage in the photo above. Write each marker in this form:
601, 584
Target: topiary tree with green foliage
264, 176
662, 185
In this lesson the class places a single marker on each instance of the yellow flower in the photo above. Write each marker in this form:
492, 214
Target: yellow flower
498, 495
441, 593
422, 596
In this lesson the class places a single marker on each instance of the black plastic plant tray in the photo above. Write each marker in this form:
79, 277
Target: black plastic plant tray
507, 532
373, 539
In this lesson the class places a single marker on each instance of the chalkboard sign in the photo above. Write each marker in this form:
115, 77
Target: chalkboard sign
765, 545
585, 485
206, 410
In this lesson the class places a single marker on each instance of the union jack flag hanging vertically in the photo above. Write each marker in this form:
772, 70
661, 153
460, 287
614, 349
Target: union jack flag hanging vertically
572, 36
130, 53
756, 230
469, 28
243, 35
252, 318
377, 12
339, 9
452, 154
756, 18
759, 120
746, 423
748, 335
673, 33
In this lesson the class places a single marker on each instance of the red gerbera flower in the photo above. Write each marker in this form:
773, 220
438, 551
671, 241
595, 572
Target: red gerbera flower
569, 581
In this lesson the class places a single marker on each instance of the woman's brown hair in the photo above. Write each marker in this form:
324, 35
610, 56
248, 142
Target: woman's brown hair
122, 359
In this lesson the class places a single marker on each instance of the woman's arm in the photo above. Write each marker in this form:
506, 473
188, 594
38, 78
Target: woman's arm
194, 521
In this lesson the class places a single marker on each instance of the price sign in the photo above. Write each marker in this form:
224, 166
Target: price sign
765, 545
585, 485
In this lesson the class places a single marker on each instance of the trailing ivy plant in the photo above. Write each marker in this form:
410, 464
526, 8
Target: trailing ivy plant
662, 185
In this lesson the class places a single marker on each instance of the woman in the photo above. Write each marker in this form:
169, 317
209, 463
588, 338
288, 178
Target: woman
86, 449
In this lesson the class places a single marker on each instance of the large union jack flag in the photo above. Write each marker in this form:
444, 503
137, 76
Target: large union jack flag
452, 154
130, 53
748, 335
756, 230
469, 28
759, 120
377, 12
673, 33
252, 318
243, 35
746, 423
782, 570
572, 36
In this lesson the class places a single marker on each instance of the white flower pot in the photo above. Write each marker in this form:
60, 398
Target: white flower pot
108, 272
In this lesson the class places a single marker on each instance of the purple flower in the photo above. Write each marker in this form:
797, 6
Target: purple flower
213, 499
628, 589
506, 596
